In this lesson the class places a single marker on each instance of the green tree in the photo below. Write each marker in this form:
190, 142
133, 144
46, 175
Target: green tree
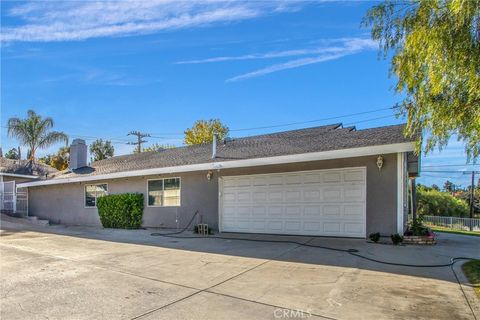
100, 149
12, 154
449, 186
158, 147
203, 130
436, 58
34, 132
58, 160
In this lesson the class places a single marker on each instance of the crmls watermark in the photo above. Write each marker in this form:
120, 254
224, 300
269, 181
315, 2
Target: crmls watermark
291, 314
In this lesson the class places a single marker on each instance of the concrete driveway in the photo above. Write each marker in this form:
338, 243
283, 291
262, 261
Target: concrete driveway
84, 273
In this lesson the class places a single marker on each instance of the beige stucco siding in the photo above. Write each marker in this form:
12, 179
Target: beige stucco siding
65, 203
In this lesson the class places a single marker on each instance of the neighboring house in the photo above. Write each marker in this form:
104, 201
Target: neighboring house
315, 181
13, 172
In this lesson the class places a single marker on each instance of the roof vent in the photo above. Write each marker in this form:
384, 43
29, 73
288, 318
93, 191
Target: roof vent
214, 146
227, 139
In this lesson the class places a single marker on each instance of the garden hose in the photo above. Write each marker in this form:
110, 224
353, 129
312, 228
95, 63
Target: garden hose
353, 252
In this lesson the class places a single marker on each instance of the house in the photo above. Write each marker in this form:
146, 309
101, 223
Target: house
329, 180
13, 172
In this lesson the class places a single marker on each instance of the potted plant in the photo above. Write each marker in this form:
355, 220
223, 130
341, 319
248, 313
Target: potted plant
418, 233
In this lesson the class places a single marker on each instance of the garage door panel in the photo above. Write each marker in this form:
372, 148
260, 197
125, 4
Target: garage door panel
293, 211
332, 194
275, 211
354, 193
275, 180
275, 195
244, 212
259, 211
353, 175
275, 225
322, 202
332, 227
332, 177
293, 195
293, 179
312, 195
353, 227
352, 211
259, 196
312, 211
293, 226
311, 227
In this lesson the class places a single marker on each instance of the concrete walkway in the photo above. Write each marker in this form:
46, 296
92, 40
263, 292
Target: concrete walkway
61, 272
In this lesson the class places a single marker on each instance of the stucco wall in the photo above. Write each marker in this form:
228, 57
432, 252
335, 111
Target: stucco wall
65, 203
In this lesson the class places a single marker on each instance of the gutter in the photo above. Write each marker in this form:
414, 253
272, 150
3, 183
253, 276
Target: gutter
295, 158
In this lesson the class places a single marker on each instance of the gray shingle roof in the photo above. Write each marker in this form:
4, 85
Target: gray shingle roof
24, 167
324, 138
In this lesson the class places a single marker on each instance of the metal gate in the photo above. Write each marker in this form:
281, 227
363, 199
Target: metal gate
13, 200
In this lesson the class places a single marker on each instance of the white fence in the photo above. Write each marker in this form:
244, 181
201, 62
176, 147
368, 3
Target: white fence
453, 223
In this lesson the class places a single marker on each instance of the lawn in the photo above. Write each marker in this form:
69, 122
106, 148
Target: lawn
472, 271
447, 230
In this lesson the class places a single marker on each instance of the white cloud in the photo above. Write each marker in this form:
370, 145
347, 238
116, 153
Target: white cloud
340, 48
80, 20
331, 46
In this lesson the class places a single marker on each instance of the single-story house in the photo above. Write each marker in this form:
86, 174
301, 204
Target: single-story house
329, 181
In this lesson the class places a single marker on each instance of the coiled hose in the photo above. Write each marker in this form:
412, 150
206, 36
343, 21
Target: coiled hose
353, 252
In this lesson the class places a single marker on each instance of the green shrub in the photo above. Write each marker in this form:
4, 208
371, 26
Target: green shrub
437, 203
417, 228
375, 237
122, 211
396, 238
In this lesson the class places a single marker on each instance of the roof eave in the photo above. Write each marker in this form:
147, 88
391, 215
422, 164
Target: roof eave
294, 158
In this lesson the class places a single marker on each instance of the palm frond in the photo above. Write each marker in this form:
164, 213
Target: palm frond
52, 138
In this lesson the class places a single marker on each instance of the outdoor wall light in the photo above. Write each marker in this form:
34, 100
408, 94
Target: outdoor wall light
380, 162
209, 175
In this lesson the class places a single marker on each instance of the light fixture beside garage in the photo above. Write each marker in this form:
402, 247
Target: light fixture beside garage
209, 175
380, 162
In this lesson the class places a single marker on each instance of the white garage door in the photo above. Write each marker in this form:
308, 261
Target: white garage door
322, 202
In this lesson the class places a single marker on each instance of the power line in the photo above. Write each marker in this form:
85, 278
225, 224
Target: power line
450, 165
305, 122
316, 120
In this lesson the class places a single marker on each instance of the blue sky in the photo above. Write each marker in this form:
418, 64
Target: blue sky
102, 69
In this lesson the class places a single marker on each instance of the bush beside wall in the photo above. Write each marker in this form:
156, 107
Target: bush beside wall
122, 211
437, 203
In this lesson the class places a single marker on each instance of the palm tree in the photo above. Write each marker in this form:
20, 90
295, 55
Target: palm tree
34, 132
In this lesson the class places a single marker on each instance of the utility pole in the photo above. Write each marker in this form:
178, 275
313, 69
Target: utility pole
139, 141
472, 195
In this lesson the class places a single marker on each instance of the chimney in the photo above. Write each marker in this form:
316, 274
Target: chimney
214, 146
78, 154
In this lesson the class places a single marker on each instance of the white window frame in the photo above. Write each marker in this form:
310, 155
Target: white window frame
85, 194
163, 179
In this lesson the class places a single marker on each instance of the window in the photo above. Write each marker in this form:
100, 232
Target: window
164, 192
94, 191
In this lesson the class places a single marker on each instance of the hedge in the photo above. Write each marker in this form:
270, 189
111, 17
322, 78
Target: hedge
122, 211
437, 203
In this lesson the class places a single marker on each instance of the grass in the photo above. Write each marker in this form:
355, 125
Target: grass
472, 271
447, 230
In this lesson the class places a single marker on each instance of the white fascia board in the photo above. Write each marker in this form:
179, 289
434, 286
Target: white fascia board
304, 157
18, 175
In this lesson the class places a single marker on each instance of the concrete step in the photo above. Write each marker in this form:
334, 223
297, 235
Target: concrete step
36, 221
